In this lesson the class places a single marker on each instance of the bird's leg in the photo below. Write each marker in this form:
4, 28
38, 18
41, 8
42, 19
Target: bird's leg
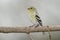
34, 25
49, 33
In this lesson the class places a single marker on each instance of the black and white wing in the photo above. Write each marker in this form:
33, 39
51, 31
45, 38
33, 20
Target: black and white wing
38, 20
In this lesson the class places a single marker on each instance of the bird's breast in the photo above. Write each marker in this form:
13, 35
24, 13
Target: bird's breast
33, 18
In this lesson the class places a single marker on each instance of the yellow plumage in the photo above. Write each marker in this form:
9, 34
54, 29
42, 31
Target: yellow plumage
32, 13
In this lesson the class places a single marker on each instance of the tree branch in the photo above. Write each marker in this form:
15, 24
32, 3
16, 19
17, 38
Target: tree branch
28, 29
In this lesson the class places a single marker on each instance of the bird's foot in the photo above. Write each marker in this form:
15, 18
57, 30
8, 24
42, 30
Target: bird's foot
34, 25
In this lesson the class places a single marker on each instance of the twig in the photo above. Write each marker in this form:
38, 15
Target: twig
28, 29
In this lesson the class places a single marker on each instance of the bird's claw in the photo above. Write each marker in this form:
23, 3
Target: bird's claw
34, 25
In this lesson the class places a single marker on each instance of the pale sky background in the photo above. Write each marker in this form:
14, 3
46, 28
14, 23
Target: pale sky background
14, 13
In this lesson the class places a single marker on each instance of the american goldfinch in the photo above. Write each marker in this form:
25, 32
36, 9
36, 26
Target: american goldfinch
34, 16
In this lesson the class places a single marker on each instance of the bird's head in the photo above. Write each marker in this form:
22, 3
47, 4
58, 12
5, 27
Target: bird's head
31, 9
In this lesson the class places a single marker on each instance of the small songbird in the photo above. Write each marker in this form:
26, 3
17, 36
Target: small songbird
34, 16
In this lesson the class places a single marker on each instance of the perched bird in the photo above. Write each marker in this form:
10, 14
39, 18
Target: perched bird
34, 16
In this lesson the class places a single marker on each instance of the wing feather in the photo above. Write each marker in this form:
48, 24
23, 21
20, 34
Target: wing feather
39, 20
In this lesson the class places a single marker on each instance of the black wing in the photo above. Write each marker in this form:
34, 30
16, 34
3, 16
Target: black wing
39, 20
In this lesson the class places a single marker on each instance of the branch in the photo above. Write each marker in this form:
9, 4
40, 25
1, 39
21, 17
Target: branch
28, 29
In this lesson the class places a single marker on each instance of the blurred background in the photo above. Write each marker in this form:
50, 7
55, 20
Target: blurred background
14, 13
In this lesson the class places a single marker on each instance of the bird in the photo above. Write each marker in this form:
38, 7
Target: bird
34, 16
